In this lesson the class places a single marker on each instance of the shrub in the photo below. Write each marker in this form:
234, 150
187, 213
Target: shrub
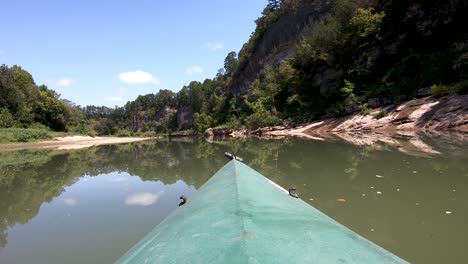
261, 119
14, 135
124, 133
380, 114
439, 90
233, 122
105, 126
337, 109
203, 122
80, 128
325, 37
348, 93
92, 133
364, 109
144, 134
365, 23
461, 87
6, 118
39, 126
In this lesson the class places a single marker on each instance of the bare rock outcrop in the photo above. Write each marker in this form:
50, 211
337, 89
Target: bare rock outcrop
406, 127
427, 113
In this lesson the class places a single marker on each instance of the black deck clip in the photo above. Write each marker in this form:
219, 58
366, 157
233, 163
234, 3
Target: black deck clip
184, 200
292, 193
231, 156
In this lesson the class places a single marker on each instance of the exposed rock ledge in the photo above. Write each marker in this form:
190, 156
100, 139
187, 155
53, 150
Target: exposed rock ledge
405, 126
449, 113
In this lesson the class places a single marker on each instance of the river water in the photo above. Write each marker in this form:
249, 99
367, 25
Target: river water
92, 205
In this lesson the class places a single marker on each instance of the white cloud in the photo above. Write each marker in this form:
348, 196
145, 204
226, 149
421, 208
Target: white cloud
143, 199
64, 82
70, 202
113, 99
120, 179
138, 77
195, 69
214, 46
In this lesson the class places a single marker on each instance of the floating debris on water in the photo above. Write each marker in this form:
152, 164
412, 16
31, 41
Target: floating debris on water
379, 192
448, 212
417, 203
341, 200
398, 189
415, 171
379, 176
454, 190
372, 187
311, 199
372, 229
363, 194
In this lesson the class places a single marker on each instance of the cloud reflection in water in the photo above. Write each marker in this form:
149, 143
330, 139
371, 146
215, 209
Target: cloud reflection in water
143, 199
70, 202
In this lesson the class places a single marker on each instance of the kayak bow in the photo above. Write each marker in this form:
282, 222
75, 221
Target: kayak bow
239, 216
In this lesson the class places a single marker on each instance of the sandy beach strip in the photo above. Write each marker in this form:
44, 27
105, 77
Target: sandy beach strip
74, 142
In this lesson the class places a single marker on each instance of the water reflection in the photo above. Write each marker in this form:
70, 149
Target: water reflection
29, 178
143, 199
70, 202
410, 204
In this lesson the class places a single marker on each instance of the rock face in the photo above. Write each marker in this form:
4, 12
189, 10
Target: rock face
420, 24
217, 131
407, 127
185, 118
280, 40
137, 121
427, 114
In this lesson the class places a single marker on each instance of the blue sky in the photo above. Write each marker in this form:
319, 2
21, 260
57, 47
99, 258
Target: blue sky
108, 52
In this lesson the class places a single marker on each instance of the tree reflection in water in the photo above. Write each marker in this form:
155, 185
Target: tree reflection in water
320, 170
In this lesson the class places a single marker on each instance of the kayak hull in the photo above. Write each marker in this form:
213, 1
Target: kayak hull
239, 216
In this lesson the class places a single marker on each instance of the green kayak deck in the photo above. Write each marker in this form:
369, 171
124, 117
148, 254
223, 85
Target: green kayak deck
239, 216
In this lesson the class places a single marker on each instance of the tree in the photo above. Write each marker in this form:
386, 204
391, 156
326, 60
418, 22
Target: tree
18, 93
50, 111
230, 63
6, 118
366, 23
164, 98
274, 4
203, 122
265, 90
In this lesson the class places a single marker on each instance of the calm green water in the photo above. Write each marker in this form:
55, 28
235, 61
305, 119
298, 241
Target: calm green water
91, 205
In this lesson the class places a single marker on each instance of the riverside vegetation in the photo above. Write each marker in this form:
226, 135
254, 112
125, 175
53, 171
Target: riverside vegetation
345, 54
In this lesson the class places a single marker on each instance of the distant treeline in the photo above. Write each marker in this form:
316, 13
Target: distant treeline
386, 51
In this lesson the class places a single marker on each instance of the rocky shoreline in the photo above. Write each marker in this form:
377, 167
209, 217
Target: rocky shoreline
406, 126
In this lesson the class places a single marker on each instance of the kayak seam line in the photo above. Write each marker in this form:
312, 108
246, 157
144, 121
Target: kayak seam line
244, 245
